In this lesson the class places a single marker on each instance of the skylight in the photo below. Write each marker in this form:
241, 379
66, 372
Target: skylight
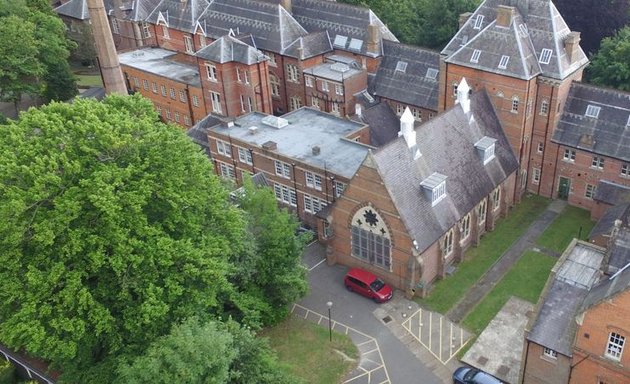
356, 44
340, 41
504, 61
401, 66
523, 29
464, 39
475, 56
478, 22
432, 73
545, 56
592, 111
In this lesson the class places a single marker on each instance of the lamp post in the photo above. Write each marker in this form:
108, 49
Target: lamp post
329, 305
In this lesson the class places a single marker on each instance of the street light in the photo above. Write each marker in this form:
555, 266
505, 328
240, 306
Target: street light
329, 305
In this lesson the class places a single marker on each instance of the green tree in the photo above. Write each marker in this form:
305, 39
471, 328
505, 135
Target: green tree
269, 276
112, 229
611, 65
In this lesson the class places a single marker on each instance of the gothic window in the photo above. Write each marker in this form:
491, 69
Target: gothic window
370, 238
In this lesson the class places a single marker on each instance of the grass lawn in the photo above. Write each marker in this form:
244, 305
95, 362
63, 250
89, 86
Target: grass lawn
565, 227
525, 280
479, 259
89, 80
306, 351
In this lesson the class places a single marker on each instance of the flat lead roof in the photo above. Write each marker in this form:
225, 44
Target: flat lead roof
156, 61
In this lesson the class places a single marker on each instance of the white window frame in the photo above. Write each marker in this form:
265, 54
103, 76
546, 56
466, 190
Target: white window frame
245, 156
145, 84
182, 96
211, 72
115, 26
475, 56
146, 31
169, 116
541, 147
334, 108
282, 169
614, 349
478, 22
154, 87
569, 155
515, 104
625, 170
216, 102
195, 100
545, 56
293, 74
313, 204
544, 107
401, 66
285, 194
223, 148
464, 227
447, 243
598, 162
295, 102
275, 85
589, 191
226, 171
163, 90
308, 80
482, 209
438, 193
177, 117
188, 44
550, 353
171, 93
187, 120
496, 198
535, 175
505, 59
339, 89
339, 188
592, 111
315, 102
313, 180
165, 33
324, 86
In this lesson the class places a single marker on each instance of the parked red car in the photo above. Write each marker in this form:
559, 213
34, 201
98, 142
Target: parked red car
368, 285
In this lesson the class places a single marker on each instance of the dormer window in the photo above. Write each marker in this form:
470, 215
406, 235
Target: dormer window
545, 56
435, 187
475, 56
504, 62
593, 111
340, 41
431, 73
401, 66
485, 147
478, 22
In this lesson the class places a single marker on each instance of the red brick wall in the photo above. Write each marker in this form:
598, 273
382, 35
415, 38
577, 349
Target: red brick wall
540, 369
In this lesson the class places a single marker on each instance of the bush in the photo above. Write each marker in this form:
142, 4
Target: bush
7, 372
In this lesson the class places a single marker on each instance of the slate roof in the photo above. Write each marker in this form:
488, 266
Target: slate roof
141, 9
180, 15
605, 224
620, 250
542, 28
198, 133
607, 289
608, 134
611, 193
78, 9
411, 86
339, 19
572, 277
229, 49
383, 122
272, 27
313, 44
447, 144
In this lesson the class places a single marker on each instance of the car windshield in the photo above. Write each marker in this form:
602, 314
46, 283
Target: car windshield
377, 285
470, 374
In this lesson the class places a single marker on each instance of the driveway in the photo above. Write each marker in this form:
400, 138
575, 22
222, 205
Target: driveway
357, 313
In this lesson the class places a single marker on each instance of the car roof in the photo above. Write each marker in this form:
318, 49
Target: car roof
482, 377
361, 274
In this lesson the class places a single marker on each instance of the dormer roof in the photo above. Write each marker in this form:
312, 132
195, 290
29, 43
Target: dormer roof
230, 49
536, 26
180, 15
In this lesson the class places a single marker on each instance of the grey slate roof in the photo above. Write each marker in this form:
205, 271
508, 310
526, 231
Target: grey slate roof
446, 143
180, 15
310, 45
383, 122
77, 9
572, 277
607, 289
608, 134
141, 9
605, 225
158, 61
339, 19
620, 250
229, 49
306, 129
412, 86
612, 193
273, 28
543, 28
198, 133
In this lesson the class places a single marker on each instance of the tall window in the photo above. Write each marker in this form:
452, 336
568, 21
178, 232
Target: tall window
227, 171
589, 193
313, 204
163, 90
165, 32
282, 169
515, 102
464, 227
211, 71
285, 194
478, 22
334, 108
188, 43
541, 146
535, 175
544, 107
370, 238
447, 244
195, 100
339, 188
324, 86
339, 89
145, 84
172, 93
146, 32
223, 148
216, 102
614, 350
315, 102
182, 96
202, 41
481, 211
625, 170
154, 87
293, 73
275, 85
295, 102
115, 26
496, 198
309, 81
313, 180
245, 156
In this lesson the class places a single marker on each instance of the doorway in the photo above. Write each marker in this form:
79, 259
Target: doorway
563, 188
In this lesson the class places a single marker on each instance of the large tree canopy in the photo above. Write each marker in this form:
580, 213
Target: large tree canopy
611, 65
112, 229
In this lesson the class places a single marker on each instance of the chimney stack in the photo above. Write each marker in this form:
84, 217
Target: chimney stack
374, 39
286, 4
572, 46
504, 15
463, 18
105, 49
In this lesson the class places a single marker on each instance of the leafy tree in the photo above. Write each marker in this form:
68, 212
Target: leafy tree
112, 229
611, 65
210, 352
270, 275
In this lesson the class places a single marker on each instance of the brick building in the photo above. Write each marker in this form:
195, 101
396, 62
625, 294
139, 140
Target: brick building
417, 203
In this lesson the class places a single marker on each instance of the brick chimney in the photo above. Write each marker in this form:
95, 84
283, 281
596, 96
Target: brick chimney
105, 49
572, 46
504, 15
286, 4
463, 18
374, 39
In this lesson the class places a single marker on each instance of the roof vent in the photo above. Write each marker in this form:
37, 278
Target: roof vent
270, 145
316, 150
435, 187
274, 121
253, 130
485, 148
340, 67
230, 124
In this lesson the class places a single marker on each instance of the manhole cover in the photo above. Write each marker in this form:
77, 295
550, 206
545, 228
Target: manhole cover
387, 319
482, 360
503, 370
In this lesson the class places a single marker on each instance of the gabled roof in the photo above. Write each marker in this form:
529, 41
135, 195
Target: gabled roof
339, 19
498, 45
141, 9
229, 49
310, 45
77, 9
608, 134
612, 193
446, 146
272, 27
607, 289
572, 277
414, 85
180, 15
538, 20
605, 225
383, 122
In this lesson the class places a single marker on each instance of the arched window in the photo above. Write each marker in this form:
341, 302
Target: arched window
370, 238
464, 227
481, 211
515, 102
447, 243
496, 198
